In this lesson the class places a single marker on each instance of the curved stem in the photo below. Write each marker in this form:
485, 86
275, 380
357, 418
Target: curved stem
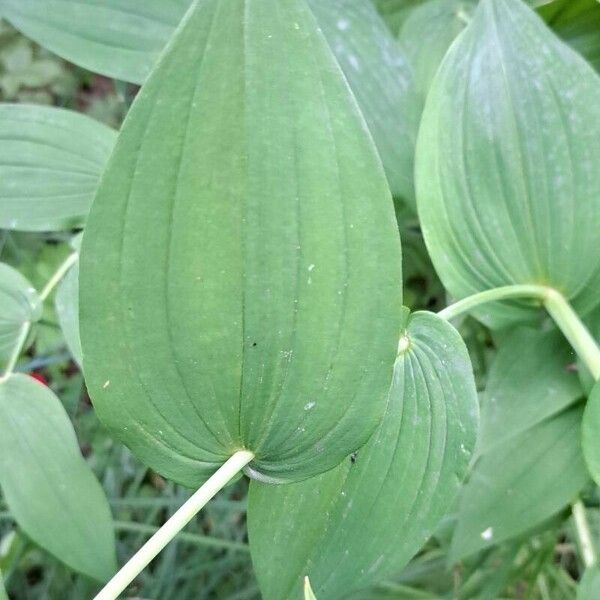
58, 275
501, 293
584, 534
574, 330
26, 327
174, 525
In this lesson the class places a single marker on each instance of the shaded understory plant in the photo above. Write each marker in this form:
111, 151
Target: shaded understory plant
236, 302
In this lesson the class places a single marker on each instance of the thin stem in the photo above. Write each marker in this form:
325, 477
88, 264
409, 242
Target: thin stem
58, 275
584, 534
3, 594
574, 330
26, 327
14, 357
174, 525
190, 538
501, 293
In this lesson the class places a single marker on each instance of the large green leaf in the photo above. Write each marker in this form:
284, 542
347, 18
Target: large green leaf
378, 74
508, 162
427, 34
240, 271
19, 304
117, 38
531, 379
47, 485
514, 488
365, 519
50, 163
590, 433
109, 37
578, 23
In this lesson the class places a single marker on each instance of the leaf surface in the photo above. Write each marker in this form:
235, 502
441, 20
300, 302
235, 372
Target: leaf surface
590, 433
531, 379
240, 271
427, 33
67, 309
578, 23
381, 80
508, 163
514, 487
366, 519
116, 39
50, 163
19, 304
47, 485
589, 585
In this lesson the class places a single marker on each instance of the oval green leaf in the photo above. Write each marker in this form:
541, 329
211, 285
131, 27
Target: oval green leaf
50, 163
590, 433
47, 485
19, 305
513, 487
531, 379
240, 271
366, 519
66, 302
380, 77
508, 162
113, 39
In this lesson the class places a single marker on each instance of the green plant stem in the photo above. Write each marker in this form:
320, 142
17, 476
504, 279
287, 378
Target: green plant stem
584, 534
580, 339
174, 525
536, 292
3, 594
26, 328
190, 538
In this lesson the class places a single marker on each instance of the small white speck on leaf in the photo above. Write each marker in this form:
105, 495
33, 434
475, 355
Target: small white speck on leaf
106, 384
309, 405
488, 534
310, 268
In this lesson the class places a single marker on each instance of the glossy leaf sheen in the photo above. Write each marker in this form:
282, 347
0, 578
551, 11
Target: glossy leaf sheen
591, 433
513, 488
240, 272
530, 380
50, 163
47, 485
19, 303
369, 516
508, 162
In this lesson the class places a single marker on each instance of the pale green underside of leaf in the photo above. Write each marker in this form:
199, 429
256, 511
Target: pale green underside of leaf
47, 485
589, 585
123, 40
508, 162
427, 34
67, 309
365, 519
530, 380
50, 163
240, 272
591, 433
514, 487
19, 303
